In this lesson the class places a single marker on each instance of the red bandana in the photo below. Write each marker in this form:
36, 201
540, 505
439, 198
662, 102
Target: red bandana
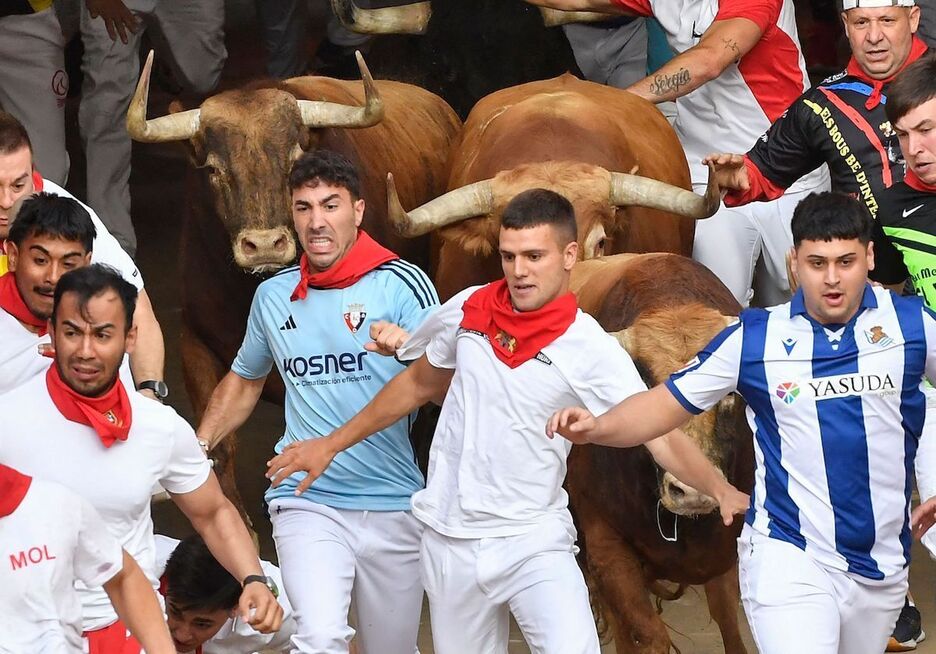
916, 183
109, 415
12, 302
13, 487
516, 336
917, 50
365, 255
37, 182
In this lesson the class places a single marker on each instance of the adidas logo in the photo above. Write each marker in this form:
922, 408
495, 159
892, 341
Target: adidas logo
289, 324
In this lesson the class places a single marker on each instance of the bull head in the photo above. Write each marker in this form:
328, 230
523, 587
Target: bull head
247, 141
617, 190
654, 339
412, 18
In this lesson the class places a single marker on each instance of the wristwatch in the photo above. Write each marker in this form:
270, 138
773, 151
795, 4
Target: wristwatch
266, 581
159, 388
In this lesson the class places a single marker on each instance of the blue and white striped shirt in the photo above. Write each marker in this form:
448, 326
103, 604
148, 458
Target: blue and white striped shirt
837, 413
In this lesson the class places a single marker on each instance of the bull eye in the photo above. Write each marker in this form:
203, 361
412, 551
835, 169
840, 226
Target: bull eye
600, 246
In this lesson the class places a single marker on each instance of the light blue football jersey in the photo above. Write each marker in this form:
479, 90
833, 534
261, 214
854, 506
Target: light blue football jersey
317, 345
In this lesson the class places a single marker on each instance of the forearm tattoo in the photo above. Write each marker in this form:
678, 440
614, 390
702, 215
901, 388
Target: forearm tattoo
665, 84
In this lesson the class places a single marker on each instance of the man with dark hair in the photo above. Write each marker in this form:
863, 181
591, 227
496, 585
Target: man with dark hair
78, 426
351, 536
18, 180
201, 602
841, 122
832, 384
498, 536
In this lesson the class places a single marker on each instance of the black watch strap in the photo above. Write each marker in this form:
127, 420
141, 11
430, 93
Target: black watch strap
159, 388
266, 581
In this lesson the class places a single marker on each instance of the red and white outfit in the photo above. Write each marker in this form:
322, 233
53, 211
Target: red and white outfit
728, 114
135, 444
49, 537
499, 535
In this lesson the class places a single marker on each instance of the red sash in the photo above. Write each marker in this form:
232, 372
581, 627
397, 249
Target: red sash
13, 488
917, 50
365, 255
12, 302
516, 336
112, 639
109, 415
916, 183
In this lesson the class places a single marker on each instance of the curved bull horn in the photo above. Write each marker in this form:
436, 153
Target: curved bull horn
318, 113
624, 339
174, 127
406, 19
554, 17
633, 190
466, 202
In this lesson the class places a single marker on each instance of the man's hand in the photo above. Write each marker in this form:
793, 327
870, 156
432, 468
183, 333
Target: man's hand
573, 423
923, 517
731, 503
311, 456
117, 18
729, 171
387, 338
260, 609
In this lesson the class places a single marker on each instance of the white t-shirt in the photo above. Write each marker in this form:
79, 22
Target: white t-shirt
20, 359
52, 538
118, 481
236, 636
106, 248
492, 469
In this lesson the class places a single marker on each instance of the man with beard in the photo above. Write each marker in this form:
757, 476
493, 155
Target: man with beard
78, 426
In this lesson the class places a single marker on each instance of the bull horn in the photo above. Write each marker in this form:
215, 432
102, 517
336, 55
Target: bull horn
555, 17
174, 127
624, 339
466, 202
634, 190
406, 19
318, 113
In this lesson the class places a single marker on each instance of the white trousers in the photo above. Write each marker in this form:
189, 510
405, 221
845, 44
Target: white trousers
730, 242
334, 561
473, 584
795, 605
925, 463
189, 35
33, 86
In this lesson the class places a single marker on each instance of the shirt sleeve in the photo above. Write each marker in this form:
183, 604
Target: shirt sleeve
764, 13
188, 467
612, 380
98, 555
711, 374
255, 357
417, 297
889, 266
436, 336
786, 151
929, 329
108, 251
637, 7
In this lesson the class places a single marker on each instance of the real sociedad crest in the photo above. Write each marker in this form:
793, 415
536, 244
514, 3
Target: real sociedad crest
354, 317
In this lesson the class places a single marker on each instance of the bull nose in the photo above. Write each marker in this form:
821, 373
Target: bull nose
261, 250
682, 499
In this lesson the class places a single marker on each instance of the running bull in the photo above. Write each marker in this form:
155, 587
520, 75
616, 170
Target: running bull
636, 525
580, 139
243, 142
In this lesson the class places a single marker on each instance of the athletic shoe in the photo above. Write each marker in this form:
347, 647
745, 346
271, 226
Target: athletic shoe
908, 633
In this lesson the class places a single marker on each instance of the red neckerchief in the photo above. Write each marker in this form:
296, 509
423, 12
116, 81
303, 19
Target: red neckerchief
365, 255
914, 182
109, 415
516, 336
917, 50
12, 302
13, 487
37, 182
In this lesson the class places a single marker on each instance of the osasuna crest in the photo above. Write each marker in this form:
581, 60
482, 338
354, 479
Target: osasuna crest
354, 317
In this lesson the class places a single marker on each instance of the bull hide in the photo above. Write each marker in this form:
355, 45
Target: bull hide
671, 307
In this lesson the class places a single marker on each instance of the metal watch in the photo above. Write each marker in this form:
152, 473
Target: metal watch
266, 581
159, 388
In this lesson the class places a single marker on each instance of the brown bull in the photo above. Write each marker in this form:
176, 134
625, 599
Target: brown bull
638, 526
244, 141
580, 139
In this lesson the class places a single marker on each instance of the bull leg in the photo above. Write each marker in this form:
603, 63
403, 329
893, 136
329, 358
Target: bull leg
202, 372
723, 596
617, 575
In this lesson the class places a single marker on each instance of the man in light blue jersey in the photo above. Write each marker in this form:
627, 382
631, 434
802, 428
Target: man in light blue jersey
350, 536
832, 383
